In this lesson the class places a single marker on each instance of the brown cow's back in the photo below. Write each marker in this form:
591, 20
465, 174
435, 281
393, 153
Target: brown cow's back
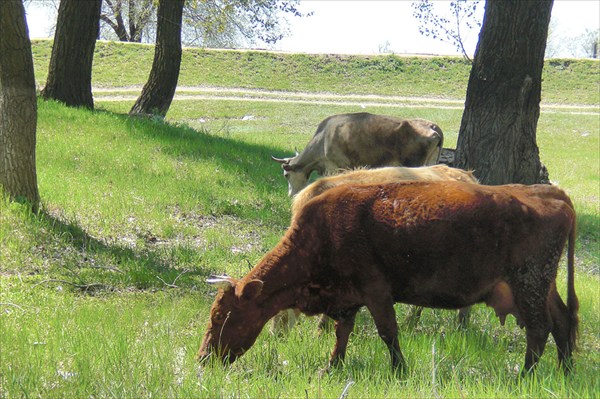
419, 232
390, 174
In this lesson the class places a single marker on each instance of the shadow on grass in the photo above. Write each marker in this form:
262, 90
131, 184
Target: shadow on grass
83, 258
89, 264
252, 161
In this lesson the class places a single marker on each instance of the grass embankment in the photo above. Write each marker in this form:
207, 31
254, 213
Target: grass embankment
103, 294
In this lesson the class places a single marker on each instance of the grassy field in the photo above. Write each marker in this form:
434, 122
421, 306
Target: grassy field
103, 293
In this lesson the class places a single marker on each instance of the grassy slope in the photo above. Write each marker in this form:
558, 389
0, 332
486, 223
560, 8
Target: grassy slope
131, 206
565, 81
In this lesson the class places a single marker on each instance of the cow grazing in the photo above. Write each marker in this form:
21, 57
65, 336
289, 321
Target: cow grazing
390, 174
433, 244
353, 140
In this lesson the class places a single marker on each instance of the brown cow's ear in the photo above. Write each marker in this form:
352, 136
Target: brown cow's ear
250, 290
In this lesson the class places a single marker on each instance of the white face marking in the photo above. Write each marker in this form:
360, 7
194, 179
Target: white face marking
296, 182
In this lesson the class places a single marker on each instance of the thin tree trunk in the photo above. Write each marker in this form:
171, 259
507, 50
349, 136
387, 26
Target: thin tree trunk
70, 70
18, 106
497, 137
158, 92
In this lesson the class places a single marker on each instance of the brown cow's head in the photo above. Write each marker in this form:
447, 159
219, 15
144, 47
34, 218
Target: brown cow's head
235, 319
295, 176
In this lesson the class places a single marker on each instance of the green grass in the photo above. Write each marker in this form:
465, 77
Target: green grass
103, 293
564, 80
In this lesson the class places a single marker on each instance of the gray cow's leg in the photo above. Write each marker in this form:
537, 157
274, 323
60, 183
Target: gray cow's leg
414, 315
325, 323
463, 316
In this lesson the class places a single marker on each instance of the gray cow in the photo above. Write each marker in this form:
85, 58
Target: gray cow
363, 139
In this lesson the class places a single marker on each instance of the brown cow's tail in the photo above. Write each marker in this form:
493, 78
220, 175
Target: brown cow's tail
572, 301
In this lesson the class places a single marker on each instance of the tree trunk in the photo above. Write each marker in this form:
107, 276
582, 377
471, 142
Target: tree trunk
70, 71
158, 92
497, 137
18, 106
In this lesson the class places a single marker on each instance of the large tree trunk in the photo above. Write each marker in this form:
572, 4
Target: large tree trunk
158, 92
18, 107
497, 137
70, 71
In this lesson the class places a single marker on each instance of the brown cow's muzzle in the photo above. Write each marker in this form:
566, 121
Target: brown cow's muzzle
227, 359
206, 351
202, 356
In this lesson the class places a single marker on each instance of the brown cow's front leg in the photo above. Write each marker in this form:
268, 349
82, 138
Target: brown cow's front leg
384, 315
343, 328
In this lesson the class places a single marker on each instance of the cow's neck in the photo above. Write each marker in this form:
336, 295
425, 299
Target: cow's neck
284, 272
310, 159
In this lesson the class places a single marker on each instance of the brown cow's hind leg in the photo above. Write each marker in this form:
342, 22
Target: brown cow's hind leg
536, 342
538, 323
561, 329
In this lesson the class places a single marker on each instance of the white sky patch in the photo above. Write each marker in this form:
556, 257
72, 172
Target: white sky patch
366, 27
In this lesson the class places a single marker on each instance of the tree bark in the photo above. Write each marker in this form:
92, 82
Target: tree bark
18, 107
497, 137
158, 92
70, 70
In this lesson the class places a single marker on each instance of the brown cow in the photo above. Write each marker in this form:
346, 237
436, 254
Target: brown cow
363, 139
433, 244
390, 174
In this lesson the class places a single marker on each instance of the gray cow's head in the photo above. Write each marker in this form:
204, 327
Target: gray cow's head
294, 174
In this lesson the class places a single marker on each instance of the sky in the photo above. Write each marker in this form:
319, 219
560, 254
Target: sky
363, 26
368, 26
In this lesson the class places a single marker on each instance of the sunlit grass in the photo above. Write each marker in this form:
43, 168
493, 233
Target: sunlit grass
103, 293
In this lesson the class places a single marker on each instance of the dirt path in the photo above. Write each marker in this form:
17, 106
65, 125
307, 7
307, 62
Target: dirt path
371, 100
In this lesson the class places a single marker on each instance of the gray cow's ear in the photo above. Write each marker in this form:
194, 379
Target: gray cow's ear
223, 282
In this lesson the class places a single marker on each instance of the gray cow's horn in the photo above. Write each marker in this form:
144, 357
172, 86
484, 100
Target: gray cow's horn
280, 160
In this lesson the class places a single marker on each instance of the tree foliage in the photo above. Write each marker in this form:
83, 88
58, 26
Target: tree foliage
464, 18
128, 19
209, 23
586, 44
